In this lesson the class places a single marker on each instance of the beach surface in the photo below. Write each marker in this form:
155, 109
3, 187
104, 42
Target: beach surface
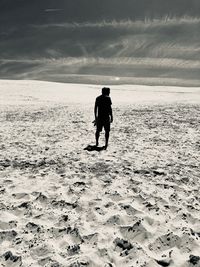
137, 204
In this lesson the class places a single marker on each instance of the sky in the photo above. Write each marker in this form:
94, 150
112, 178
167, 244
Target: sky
55, 11
65, 40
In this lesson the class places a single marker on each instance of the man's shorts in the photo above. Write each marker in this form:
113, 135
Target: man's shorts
103, 124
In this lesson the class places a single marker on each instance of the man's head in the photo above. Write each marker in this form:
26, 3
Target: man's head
105, 91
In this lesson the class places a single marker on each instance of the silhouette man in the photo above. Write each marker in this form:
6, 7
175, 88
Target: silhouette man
103, 115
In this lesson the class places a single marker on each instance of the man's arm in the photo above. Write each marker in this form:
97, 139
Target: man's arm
95, 110
111, 114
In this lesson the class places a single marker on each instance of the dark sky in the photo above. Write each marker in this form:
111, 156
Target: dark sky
33, 11
87, 36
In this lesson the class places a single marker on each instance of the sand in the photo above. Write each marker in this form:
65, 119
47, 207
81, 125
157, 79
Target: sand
136, 204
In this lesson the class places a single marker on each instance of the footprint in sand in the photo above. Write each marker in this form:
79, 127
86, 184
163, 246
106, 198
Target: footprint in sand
33, 228
165, 242
48, 261
22, 195
41, 198
8, 225
11, 260
137, 232
115, 219
91, 239
7, 235
130, 210
194, 261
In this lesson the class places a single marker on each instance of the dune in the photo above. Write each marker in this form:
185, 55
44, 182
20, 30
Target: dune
135, 204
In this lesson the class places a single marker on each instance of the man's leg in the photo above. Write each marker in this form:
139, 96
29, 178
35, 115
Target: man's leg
107, 133
97, 137
98, 130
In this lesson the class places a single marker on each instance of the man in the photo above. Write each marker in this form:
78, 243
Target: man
103, 115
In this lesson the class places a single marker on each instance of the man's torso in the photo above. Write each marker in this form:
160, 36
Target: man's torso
104, 107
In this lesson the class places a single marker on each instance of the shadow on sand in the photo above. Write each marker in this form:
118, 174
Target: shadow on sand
94, 148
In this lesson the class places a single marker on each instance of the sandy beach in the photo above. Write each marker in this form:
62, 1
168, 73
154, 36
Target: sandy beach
136, 204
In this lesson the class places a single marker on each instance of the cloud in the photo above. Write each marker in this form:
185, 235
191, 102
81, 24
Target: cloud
166, 38
105, 70
166, 48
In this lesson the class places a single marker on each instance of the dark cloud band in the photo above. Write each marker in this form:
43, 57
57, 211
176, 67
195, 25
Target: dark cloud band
23, 12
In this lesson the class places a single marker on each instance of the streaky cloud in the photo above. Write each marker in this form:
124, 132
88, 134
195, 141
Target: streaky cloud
165, 49
125, 61
126, 23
